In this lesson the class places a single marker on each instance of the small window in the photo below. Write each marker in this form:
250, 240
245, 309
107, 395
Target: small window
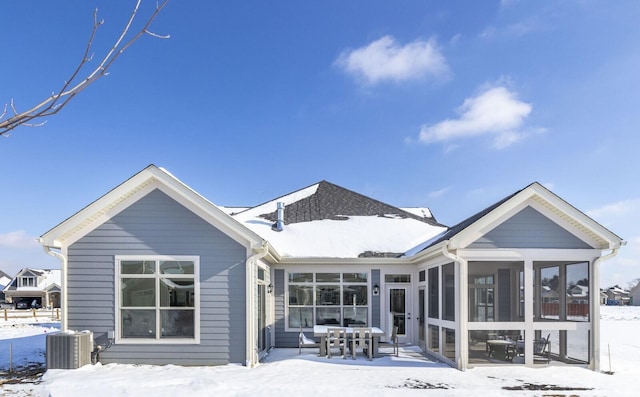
27, 282
422, 276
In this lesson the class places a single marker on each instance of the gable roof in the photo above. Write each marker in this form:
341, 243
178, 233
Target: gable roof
47, 277
326, 220
537, 195
131, 190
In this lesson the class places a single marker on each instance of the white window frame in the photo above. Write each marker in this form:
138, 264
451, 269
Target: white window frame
315, 284
158, 339
32, 282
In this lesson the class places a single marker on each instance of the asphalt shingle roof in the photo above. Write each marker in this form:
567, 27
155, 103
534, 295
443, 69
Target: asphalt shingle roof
334, 202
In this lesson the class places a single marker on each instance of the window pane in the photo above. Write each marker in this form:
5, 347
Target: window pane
449, 292
300, 295
138, 292
300, 277
328, 295
137, 267
327, 277
449, 344
578, 292
328, 316
176, 293
434, 338
354, 277
355, 316
301, 316
434, 294
422, 276
176, 267
177, 323
355, 295
139, 324
397, 278
550, 292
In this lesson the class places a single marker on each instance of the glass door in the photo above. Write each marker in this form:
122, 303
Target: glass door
398, 304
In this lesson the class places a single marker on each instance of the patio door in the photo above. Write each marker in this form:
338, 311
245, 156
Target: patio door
422, 315
398, 306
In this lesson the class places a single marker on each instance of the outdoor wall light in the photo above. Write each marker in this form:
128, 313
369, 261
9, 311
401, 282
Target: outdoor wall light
376, 290
269, 288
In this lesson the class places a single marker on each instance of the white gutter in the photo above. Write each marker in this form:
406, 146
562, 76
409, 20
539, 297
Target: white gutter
595, 304
251, 355
461, 307
63, 261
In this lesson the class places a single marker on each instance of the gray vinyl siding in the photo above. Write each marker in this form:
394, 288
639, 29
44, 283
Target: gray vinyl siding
158, 225
375, 300
529, 229
283, 339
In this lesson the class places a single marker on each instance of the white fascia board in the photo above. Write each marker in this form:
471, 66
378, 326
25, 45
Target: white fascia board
550, 205
130, 191
344, 261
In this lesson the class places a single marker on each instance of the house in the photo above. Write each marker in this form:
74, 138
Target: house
163, 276
617, 295
34, 288
603, 297
635, 295
4, 280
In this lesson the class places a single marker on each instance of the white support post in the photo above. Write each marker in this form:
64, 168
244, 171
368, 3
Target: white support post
529, 331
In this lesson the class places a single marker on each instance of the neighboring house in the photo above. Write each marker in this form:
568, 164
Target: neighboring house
171, 278
4, 281
635, 295
34, 288
603, 297
618, 296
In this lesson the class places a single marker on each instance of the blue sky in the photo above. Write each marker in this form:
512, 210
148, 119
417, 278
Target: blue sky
451, 105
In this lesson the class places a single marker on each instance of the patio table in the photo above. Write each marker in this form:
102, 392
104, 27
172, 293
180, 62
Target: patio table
321, 331
506, 347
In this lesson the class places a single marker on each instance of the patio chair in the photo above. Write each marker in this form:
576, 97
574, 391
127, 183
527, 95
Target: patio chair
393, 340
361, 337
541, 348
305, 341
337, 338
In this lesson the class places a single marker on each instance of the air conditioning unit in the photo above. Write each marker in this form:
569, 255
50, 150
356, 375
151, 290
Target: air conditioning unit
69, 350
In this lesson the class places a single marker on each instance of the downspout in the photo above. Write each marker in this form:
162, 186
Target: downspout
460, 307
63, 303
595, 304
251, 276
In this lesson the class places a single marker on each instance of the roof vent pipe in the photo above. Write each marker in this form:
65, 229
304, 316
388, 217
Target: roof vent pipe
278, 226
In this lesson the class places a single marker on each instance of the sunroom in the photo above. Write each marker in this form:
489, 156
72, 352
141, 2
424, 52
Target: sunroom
513, 285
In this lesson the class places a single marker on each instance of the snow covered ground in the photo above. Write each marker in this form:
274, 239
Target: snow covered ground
287, 374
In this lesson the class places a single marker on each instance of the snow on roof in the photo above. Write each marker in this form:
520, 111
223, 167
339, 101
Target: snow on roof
327, 221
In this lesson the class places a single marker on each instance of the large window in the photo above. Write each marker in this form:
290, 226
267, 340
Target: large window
328, 299
157, 299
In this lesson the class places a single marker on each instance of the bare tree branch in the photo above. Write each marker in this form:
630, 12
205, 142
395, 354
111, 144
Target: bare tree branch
72, 87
